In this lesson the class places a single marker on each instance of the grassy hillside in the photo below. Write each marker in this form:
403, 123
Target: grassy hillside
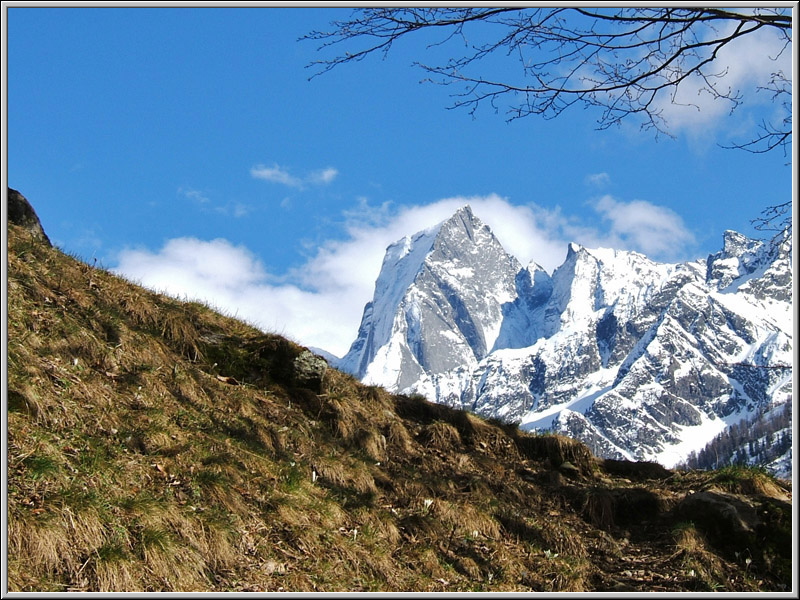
155, 445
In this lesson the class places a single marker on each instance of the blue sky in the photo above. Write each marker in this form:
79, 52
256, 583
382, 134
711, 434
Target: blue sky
187, 149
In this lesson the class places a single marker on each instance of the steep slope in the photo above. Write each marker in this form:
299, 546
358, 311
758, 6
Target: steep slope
155, 445
636, 358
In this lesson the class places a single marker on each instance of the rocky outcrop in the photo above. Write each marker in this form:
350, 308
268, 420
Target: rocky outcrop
309, 371
20, 212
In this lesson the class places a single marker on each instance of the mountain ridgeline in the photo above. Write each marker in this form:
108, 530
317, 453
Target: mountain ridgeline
638, 359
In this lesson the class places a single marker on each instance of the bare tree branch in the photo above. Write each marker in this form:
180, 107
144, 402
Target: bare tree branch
773, 136
623, 61
626, 62
777, 218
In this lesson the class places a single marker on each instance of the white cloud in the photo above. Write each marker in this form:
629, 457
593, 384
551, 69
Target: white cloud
275, 174
233, 280
320, 304
193, 194
219, 263
653, 230
278, 174
235, 209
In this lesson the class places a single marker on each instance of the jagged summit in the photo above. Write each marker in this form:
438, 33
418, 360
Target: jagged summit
462, 227
437, 304
637, 358
463, 217
737, 244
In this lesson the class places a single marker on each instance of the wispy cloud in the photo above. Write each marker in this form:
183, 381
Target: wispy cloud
278, 174
598, 179
323, 176
193, 194
320, 303
233, 209
275, 174
229, 208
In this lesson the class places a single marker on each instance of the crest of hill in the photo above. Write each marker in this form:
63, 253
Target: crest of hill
156, 445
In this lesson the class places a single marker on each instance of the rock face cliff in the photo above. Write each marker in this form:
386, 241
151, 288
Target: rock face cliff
638, 359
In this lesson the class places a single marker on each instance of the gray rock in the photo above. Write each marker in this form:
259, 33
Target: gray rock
309, 371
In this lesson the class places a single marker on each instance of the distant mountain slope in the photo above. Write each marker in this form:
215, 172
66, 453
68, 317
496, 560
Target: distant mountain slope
636, 358
155, 445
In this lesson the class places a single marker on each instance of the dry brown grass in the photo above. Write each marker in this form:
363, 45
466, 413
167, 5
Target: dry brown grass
559, 537
466, 519
689, 539
598, 508
440, 436
557, 449
399, 441
700, 565
372, 442
748, 480
178, 329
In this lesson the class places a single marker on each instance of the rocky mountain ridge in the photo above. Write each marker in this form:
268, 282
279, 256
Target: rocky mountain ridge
639, 359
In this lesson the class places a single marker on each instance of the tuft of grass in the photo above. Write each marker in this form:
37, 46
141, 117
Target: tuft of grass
557, 449
747, 479
702, 568
399, 441
41, 467
440, 436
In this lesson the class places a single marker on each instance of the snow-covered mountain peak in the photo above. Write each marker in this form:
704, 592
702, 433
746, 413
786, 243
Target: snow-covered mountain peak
463, 233
573, 248
402, 264
438, 302
463, 217
635, 357
737, 244
533, 266
411, 249
742, 259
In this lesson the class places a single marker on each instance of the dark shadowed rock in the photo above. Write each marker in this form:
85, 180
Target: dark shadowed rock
635, 470
21, 213
720, 514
